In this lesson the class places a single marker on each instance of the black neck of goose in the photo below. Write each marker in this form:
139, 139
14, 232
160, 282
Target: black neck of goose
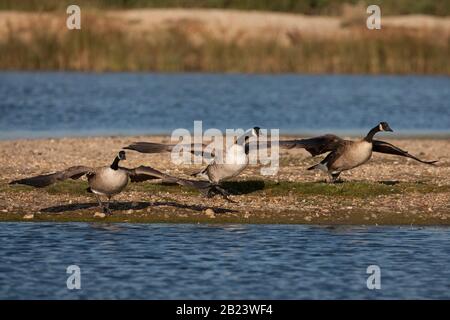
115, 164
247, 144
369, 137
247, 148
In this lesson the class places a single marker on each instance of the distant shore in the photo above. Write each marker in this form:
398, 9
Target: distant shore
213, 40
42, 135
387, 191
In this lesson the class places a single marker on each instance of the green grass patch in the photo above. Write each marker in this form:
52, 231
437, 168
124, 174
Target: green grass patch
349, 189
78, 187
269, 188
68, 187
157, 187
5, 187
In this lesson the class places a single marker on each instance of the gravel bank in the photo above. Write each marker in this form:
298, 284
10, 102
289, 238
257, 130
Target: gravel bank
387, 190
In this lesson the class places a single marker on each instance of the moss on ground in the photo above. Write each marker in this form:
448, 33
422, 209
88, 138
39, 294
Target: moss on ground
165, 215
169, 209
355, 189
351, 189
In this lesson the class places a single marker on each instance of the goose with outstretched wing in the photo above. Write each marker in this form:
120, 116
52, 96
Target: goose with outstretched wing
109, 180
346, 154
233, 163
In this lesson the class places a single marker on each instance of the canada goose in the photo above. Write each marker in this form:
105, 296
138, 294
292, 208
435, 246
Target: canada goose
345, 154
234, 161
108, 180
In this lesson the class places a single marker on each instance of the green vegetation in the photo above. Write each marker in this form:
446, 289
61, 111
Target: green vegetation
351, 189
79, 187
103, 45
97, 48
321, 203
312, 7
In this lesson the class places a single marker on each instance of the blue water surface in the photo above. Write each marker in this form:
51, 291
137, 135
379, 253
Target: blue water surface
188, 261
74, 104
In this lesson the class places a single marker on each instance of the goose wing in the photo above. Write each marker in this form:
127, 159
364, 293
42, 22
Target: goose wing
48, 179
153, 147
144, 173
316, 145
385, 147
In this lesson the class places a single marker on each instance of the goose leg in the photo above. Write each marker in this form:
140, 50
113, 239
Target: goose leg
330, 178
107, 210
216, 189
224, 193
100, 204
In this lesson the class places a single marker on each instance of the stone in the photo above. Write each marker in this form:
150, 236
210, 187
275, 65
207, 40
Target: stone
99, 215
28, 216
210, 213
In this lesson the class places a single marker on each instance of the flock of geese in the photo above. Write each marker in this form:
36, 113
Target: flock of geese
110, 180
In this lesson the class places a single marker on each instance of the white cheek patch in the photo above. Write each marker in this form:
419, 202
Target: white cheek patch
381, 127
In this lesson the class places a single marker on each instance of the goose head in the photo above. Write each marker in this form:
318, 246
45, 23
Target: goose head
384, 126
253, 132
256, 131
122, 155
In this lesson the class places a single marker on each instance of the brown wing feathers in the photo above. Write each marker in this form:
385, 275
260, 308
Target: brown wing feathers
48, 179
315, 146
385, 147
152, 147
149, 147
144, 173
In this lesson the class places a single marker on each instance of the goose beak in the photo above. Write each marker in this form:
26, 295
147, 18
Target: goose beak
387, 128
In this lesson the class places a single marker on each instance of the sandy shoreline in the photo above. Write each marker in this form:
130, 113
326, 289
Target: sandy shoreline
387, 190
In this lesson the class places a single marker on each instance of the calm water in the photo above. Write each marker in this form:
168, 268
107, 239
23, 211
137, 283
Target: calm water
55, 104
148, 261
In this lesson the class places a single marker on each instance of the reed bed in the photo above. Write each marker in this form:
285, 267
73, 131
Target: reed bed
104, 46
326, 7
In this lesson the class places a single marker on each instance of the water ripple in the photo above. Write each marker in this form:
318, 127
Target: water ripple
152, 261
